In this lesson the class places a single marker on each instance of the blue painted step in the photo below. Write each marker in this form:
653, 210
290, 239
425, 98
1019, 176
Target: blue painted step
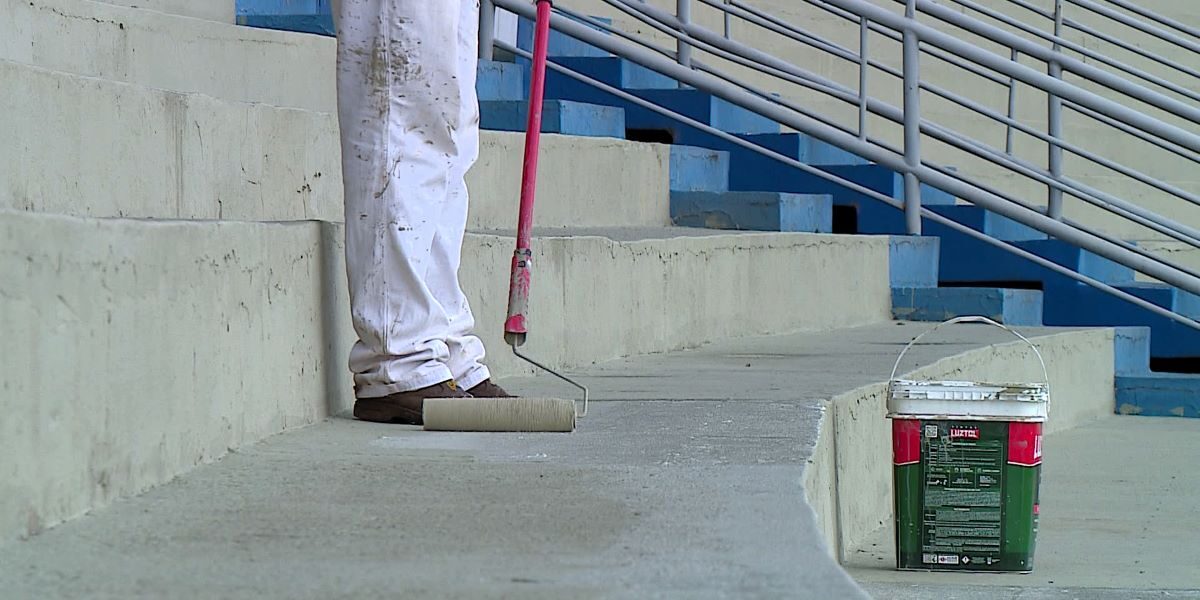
983, 220
561, 44
698, 105
753, 211
618, 72
1159, 395
855, 212
1013, 307
699, 170
1076, 304
1170, 298
913, 261
1131, 351
501, 81
966, 260
802, 147
558, 116
303, 16
782, 178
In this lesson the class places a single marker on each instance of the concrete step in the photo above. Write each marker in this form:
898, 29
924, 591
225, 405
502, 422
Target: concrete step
171, 52
1009, 306
1180, 253
89, 147
753, 211
149, 305
558, 116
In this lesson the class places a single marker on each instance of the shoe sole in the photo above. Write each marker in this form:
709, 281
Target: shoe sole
381, 411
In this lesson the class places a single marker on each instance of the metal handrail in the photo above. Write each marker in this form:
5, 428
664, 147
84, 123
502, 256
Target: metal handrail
686, 69
1056, 182
1145, 28
1157, 18
1088, 52
853, 186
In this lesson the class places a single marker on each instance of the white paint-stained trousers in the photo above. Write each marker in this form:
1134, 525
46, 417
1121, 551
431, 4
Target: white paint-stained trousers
410, 131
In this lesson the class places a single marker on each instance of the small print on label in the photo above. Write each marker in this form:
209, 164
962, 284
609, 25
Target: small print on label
948, 559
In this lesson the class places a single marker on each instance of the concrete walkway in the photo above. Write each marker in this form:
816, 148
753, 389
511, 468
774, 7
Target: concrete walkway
684, 482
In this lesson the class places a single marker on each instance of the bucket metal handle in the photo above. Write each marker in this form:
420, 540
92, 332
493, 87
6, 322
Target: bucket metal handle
983, 320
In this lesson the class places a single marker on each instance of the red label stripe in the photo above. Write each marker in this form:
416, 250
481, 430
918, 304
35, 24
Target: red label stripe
1025, 444
906, 441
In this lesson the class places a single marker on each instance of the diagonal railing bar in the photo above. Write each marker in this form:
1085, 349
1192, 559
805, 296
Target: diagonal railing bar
853, 186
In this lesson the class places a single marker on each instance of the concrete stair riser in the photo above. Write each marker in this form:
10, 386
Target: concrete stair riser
165, 51
97, 148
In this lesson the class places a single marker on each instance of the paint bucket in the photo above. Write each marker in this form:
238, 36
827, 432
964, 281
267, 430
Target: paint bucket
967, 466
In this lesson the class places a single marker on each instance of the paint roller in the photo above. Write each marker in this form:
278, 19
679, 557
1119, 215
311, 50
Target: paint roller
517, 414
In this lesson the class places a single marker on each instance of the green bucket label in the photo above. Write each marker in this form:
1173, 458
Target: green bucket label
966, 494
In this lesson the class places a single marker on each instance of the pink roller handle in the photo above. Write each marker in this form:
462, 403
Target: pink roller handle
515, 325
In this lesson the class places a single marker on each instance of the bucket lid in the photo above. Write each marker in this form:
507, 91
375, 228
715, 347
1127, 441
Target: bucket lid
968, 400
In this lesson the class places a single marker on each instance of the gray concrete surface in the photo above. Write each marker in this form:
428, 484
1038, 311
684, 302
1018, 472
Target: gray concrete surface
140, 315
1118, 521
684, 482
111, 41
216, 10
91, 147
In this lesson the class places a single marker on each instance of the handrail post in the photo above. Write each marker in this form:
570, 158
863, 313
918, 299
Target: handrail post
487, 29
1012, 107
864, 28
912, 122
683, 12
728, 22
1054, 203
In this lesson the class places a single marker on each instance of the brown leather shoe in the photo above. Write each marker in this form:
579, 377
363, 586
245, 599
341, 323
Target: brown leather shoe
404, 407
487, 389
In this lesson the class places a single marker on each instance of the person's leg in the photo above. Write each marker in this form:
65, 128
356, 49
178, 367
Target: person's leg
399, 103
466, 351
